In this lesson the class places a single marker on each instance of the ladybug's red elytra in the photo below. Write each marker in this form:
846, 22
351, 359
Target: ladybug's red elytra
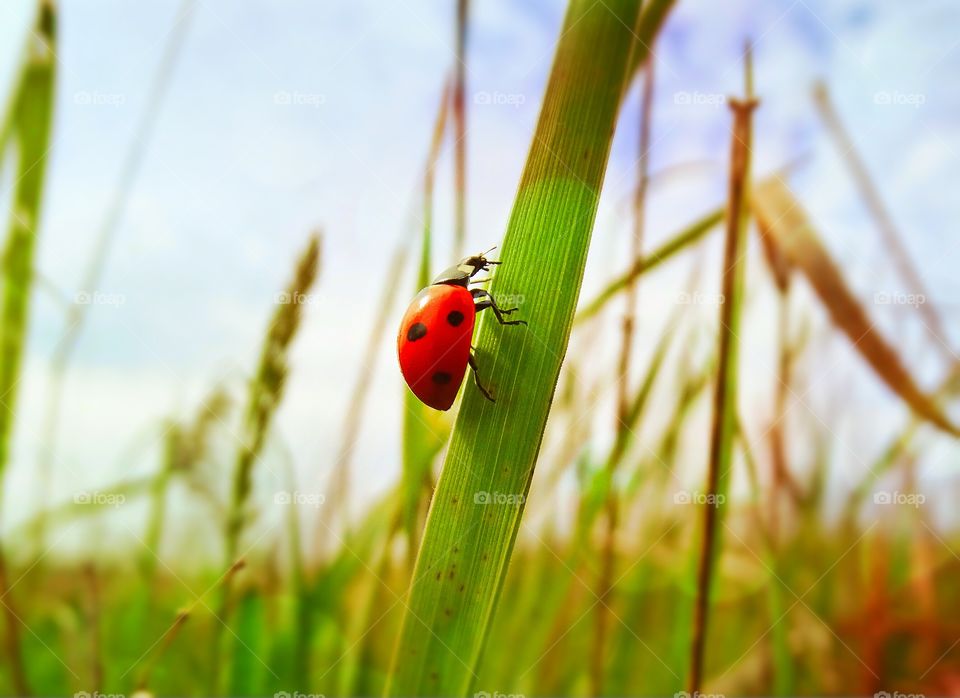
434, 340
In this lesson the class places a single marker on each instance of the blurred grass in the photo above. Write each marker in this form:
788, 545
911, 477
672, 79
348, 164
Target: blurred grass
26, 131
783, 219
725, 409
265, 393
679, 242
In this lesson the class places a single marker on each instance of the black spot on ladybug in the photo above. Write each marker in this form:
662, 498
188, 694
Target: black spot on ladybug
417, 331
455, 317
442, 378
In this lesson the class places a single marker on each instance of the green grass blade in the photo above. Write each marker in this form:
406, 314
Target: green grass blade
28, 126
467, 544
31, 122
651, 20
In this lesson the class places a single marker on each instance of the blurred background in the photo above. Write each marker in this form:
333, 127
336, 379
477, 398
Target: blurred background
176, 173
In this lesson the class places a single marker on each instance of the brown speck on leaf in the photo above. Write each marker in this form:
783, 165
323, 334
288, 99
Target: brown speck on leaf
462, 587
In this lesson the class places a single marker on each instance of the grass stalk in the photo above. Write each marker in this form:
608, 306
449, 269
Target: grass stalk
725, 395
185, 445
266, 392
467, 543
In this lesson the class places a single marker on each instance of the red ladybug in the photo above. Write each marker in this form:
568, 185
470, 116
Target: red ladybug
434, 339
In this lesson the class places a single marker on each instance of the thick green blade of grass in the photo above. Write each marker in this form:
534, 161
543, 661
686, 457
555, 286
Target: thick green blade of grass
476, 510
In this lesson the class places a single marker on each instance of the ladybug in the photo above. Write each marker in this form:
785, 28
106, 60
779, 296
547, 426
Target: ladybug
433, 344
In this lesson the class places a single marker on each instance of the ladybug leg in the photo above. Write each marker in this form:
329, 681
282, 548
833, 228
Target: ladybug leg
476, 377
488, 302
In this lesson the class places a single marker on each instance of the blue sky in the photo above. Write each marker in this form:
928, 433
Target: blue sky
286, 116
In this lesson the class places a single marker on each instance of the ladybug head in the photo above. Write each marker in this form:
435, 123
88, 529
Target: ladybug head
466, 269
479, 262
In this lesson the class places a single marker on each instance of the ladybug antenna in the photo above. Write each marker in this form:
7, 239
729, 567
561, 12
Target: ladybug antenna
483, 256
